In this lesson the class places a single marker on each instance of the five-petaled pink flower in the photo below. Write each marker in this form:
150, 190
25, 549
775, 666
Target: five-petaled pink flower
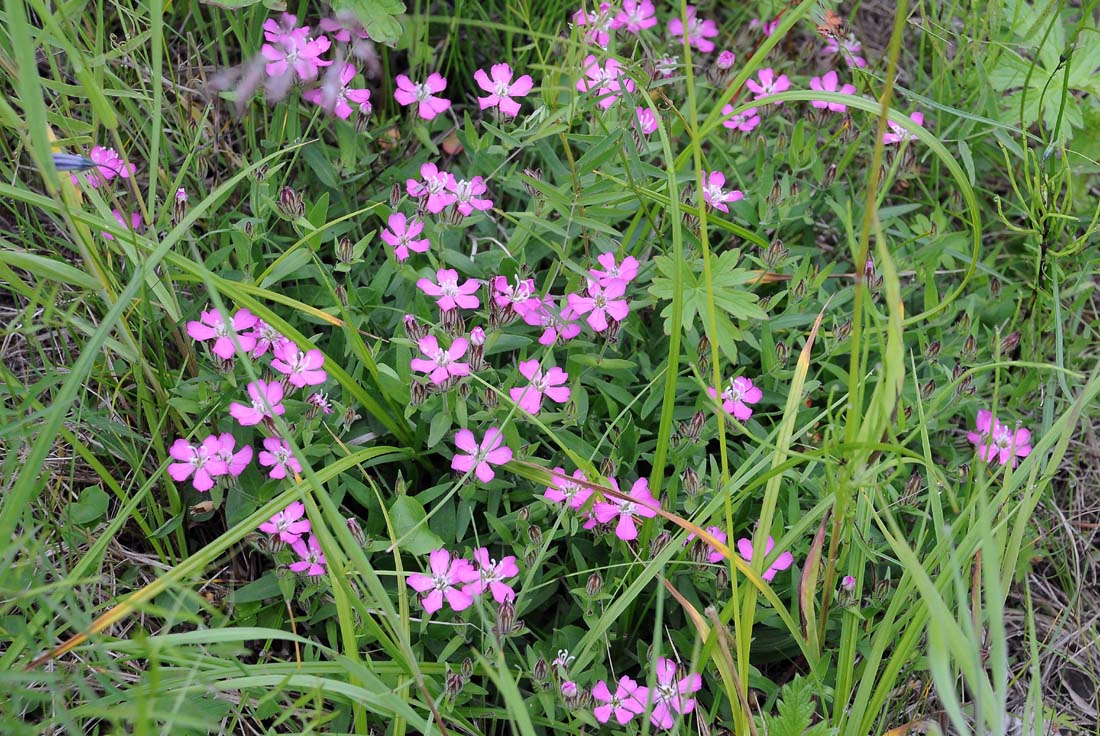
295, 51
898, 133
233, 463
670, 696
278, 456
642, 504
441, 364
444, 581
600, 303
558, 322
134, 224
288, 525
492, 574
435, 185
627, 701
713, 556
737, 396
636, 16
213, 325
335, 96
401, 236
743, 121
999, 442
467, 195
266, 398
609, 81
408, 92
313, 560
699, 31
829, 82
626, 271
849, 48
769, 84
451, 294
266, 337
480, 457
599, 23
519, 295
302, 368
744, 548
529, 397
714, 194
199, 459
498, 83
563, 490
108, 165
646, 121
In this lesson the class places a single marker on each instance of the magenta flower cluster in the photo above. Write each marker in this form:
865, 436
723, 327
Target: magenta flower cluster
457, 581
669, 698
289, 527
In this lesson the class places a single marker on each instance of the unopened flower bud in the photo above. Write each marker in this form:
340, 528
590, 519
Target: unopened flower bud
534, 533
418, 392
414, 329
658, 543
531, 189
249, 228
344, 250
291, 204
829, 177
506, 617
933, 350
689, 481
454, 683
970, 347
464, 390
994, 287
928, 389
477, 336
594, 585
1010, 343
799, 289
964, 471
569, 689
795, 190
962, 324
356, 531
781, 351
396, 193
179, 207
776, 193
611, 334
530, 555
467, 668
541, 670
703, 349
452, 323
490, 399
454, 216
912, 488
775, 254
721, 576
342, 294
607, 467
844, 330
691, 222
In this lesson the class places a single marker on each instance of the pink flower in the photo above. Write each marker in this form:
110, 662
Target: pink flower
600, 303
266, 398
424, 94
108, 165
287, 24
646, 121
295, 51
212, 325
466, 195
480, 457
198, 459
643, 504
628, 701
626, 271
529, 397
769, 84
401, 235
134, 224
300, 368
828, 83
744, 548
569, 688
321, 401
444, 581
564, 490
502, 89
714, 556
343, 26
850, 47
766, 27
450, 293
435, 186
666, 66
636, 16
848, 583
334, 95
599, 23
288, 525
313, 560
744, 121
266, 337
725, 60
233, 463
519, 295
278, 456
608, 80
738, 395
491, 576
557, 323
898, 134
441, 364
999, 442
699, 31
713, 193
670, 696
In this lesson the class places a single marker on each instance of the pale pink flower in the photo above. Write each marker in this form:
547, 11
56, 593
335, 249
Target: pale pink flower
212, 325
898, 134
451, 294
737, 396
529, 397
698, 32
646, 121
401, 236
558, 323
480, 457
518, 295
714, 194
266, 337
335, 96
423, 94
600, 303
434, 185
743, 121
198, 459
609, 81
441, 364
300, 368
627, 701
999, 442
744, 548
766, 27
666, 66
563, 490
502, 89
849, 49
491, 576
725, 60
288, 525
768, 84
134, 224
266, 403
233, 463
713, 556
287, 24
626, 271
642, 504
636, 16
444, 581
278, 456
467, 195
108, 165
295, 51
313, 559
828, 82
848, 584
670, 696
598, 22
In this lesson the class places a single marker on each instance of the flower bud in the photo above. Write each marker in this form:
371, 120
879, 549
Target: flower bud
396, 193
799, 289
721, 576
658, 543
291, 204
454, 683
530, 555
607, 467
933, 350
467, 669
452, 323
776, 193
928, 389
477, 336
357, 532
703, 349
689, 481
569, 689
249, 228
534, 533
844, 330
775, 254
342, 294
489, 398
454, 216
594, 585
970, 347
795, 189
964, 471
912, 488
418, 392
1010, 343
345, 250
829, 177
611, 334
994, 287
535, 174
781, 352
463, 388
506, 617
179, 208
541, 670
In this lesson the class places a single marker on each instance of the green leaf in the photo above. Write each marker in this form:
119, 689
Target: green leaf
90, 507
411, 528
377, 16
